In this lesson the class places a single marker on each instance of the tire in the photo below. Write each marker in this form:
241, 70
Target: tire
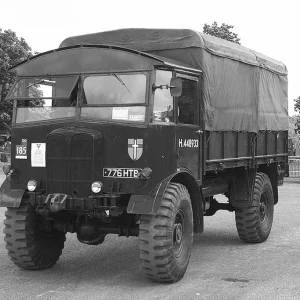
28, 246
254, 223
165, 240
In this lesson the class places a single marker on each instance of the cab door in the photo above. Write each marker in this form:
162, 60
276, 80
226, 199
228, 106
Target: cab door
188, 129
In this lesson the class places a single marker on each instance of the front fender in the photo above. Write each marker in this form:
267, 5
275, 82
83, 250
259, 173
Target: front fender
148, 204
8, 197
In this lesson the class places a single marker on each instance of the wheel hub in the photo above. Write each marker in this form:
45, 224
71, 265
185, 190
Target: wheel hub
263, 210
178, 233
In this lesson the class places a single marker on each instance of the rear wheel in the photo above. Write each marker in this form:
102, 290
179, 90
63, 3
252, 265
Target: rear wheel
29, 246
254, 223
166, 239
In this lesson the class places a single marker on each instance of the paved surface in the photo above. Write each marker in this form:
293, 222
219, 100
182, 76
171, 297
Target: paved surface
221, 266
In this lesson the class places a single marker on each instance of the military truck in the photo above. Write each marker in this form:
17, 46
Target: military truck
134, 132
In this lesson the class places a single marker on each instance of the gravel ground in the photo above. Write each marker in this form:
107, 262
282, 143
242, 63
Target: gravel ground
221, 266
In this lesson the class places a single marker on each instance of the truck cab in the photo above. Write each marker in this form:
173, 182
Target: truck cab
93, 114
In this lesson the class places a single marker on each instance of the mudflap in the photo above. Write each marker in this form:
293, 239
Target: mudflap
241, 194
8, 197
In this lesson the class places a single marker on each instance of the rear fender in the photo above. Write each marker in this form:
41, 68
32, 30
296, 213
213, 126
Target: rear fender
149, 204
8, 197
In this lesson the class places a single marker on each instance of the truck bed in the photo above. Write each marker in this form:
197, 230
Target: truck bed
224, 149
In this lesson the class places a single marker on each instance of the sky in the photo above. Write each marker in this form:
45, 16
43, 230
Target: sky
269, 27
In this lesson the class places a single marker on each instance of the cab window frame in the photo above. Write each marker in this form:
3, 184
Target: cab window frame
151, 107
196, 79
119, 72
146, 72
26, 100
76, 76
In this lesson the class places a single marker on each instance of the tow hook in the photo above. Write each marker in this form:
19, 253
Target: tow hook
56, 202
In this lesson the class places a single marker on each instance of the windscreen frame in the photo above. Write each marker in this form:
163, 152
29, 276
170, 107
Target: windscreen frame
18, 79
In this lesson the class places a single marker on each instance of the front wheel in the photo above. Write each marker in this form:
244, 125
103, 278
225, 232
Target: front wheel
29, 246
166, 239
254, 223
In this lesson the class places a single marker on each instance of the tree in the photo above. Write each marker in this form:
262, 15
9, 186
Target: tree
13, 50
294, 134
297, 117
297, 104
222, 32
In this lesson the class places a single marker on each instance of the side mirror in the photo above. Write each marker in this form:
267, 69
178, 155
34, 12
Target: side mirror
176, 87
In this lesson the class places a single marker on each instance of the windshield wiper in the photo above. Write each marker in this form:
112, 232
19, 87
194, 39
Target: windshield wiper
121, 81
39, 82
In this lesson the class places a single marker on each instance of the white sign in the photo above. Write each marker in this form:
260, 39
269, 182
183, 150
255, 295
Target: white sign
120, 113
188, 143
136, 117
38, 154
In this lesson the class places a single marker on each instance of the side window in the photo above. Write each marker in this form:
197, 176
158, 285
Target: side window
163, 110
187, 102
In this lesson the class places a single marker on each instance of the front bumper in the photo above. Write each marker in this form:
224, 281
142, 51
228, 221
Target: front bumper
58, 201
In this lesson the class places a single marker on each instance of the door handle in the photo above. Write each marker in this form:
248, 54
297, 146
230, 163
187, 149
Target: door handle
199, 131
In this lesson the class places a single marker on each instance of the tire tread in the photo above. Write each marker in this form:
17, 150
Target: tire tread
22, 243
156, 238
247, 219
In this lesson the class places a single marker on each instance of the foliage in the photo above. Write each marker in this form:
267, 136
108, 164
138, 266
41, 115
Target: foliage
297, 117
294, 133
223, 32
13, 50
297, 104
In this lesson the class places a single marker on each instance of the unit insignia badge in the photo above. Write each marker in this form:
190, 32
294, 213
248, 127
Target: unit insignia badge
135, 148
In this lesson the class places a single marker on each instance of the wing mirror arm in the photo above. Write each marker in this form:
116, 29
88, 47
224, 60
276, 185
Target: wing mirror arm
162, 87
175, 87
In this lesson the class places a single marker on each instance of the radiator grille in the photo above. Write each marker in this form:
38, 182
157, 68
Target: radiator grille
57, 164
70, 163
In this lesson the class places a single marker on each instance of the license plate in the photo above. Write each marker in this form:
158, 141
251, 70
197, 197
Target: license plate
121, 172
21, 150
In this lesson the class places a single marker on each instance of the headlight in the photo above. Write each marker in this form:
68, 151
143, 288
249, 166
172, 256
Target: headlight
32, 185
97, 186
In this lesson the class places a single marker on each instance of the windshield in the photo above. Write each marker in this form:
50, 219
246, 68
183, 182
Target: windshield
115, 89
50, 98
120, 97
43, 87
103, 95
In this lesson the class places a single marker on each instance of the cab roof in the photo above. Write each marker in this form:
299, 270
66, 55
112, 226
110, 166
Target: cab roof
59, 60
